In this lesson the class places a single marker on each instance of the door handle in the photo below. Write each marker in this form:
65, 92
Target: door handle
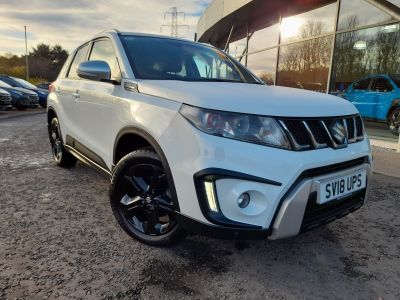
76, 95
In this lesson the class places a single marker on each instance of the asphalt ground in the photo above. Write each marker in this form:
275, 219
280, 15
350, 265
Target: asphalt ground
59, 239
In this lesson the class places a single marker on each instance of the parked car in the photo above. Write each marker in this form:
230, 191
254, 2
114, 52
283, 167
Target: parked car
21, 98
377, 97
43, 85
5, 99
194, 142
18, 82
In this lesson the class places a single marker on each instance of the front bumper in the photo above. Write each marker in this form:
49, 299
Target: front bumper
297, 212
280, 181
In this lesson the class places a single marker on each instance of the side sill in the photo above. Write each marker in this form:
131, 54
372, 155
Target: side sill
87, 161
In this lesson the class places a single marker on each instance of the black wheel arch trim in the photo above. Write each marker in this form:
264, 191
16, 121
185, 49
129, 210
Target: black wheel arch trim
153, 143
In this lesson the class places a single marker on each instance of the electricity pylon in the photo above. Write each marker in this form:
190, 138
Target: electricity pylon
174, 13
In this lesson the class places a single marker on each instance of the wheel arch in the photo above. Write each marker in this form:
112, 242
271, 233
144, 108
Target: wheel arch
51, 113
395, 104
142, 139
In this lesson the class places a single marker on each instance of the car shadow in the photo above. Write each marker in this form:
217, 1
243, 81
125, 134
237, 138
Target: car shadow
313, 264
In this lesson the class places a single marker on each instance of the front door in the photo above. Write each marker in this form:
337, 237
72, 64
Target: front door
95, 106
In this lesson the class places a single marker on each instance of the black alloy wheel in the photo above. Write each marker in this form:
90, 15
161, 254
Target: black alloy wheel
394, 121
55, 141
61, 157
141, 199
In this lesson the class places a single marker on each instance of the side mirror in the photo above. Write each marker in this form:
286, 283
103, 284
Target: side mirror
97, 70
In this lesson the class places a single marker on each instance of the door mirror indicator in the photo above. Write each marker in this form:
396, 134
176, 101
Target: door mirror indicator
96, 70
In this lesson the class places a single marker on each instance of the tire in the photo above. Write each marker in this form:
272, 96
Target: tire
20, 107
394, 121
61, 157
141, 200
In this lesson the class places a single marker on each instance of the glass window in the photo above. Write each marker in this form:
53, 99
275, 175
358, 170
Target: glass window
305, 65
104, 50
3, 84
170, 59
382, 85
237, 48
263, 64
356, 13
362, 84
363, 52
311, 23
264, 38
25, 84
396, 79
9, 81
80, 56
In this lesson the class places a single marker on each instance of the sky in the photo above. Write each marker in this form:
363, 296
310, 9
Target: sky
71, 22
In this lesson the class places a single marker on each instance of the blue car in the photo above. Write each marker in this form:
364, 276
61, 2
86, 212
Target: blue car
21, 83
377, 97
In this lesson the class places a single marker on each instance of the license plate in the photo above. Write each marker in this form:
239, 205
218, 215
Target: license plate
342, 186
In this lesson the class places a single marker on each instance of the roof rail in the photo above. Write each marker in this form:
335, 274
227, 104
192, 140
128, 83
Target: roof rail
111, 29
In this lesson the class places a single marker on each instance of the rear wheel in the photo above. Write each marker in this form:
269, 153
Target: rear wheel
141, 199
394, 121
20, 106
61, 157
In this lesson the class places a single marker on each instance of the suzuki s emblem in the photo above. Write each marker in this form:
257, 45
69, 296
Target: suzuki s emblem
339, 132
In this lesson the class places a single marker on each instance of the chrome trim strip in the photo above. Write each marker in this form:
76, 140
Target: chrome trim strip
362, 136
295, 145
313, 140
334, 144
353, 138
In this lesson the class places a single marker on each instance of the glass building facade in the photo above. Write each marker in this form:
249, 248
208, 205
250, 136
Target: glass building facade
324, 49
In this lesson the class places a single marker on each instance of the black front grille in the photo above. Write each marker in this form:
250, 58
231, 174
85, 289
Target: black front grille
308, 134
5, 98
320, 214
34, 97
350, 128
298, 132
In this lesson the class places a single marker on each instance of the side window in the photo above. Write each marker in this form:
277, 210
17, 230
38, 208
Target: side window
9, 81
382, 85
104, 50
80, 56
362, 84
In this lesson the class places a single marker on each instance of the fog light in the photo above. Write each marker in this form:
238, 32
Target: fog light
212, 201
243, 200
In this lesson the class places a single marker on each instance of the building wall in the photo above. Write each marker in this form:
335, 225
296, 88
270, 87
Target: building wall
324, 49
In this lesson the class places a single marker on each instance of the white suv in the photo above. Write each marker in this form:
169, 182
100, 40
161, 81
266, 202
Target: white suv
195, 143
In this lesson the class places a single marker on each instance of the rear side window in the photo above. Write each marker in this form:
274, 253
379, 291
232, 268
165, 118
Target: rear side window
104, 50
382, 85
9, 81
362, 84
80, 56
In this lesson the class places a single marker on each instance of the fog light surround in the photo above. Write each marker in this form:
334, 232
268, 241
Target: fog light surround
243, 200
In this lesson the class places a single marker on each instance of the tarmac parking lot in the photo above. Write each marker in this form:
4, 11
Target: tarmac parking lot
58, 238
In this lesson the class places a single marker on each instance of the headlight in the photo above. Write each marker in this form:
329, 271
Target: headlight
243, 127
19, 94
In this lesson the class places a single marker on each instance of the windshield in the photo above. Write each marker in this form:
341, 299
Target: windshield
396, 80
170, 59
3, 84
24, 83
